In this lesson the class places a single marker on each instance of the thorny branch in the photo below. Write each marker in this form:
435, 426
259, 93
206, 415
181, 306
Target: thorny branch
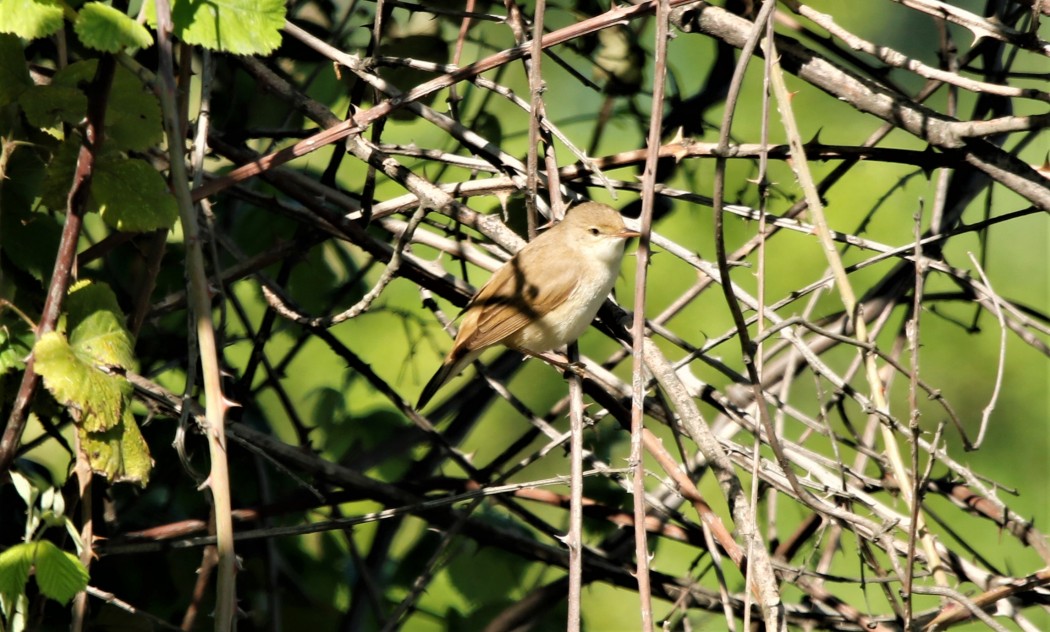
838, 525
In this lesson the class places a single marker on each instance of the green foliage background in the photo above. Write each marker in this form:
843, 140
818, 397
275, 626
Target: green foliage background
307, 581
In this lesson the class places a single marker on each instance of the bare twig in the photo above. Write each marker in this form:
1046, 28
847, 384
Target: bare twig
216, 402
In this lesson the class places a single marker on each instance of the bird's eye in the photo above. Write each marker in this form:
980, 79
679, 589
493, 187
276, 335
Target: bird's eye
595, 231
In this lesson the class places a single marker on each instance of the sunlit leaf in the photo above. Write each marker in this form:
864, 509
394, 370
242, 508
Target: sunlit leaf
242, 27
96, 326
59, 574
15, 563
132, 114
130, 194
71, 367
104, 28
74, 382
30, 18
74, 372
120, 453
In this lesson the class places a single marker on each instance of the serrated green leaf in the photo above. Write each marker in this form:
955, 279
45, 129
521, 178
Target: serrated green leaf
61, 101
96, 326
15, 563
242, 27
75, 75
28, 240
133, 197
133, 121
130, 194
104, 28
70, 368
97, 337
30, 18
49, 106
59, 574
96, 396
14, 75
120, 453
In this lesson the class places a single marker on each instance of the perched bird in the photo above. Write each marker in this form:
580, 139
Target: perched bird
546, 295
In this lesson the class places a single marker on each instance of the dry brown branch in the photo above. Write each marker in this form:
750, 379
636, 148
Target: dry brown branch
800, 409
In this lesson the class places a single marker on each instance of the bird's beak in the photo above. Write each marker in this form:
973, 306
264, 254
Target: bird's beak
625, 233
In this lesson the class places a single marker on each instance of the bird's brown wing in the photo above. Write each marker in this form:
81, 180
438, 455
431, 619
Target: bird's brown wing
508, 302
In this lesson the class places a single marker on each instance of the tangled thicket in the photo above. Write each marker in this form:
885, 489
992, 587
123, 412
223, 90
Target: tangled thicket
806, 426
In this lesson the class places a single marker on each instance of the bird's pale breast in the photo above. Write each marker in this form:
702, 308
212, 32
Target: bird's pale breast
566, 322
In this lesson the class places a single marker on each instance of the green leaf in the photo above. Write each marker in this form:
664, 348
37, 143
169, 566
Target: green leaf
14, 75
28, 240
61, 101
96, 398
30, 18
99, 401
242, 27
133, 121
132, 196
120, 453
15, 563
47, 107
70, 367
14, 347
106, 29
96, 325
59, 574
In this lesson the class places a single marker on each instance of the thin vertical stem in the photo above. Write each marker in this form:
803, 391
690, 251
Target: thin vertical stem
574, 539
663, 10
200, 306
536, 88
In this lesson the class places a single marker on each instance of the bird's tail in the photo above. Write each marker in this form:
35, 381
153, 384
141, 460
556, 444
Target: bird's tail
453, 365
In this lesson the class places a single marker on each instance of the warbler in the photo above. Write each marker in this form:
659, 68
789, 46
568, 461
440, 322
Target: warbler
546, 295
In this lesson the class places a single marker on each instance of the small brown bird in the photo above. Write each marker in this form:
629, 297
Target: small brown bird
546, 295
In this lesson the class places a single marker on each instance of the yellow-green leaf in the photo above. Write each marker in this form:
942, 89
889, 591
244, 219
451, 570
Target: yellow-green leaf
242, 27
120, 453
59, 574
30, 19
104, 28
96, 398
96, 326
73, 368
15, 563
